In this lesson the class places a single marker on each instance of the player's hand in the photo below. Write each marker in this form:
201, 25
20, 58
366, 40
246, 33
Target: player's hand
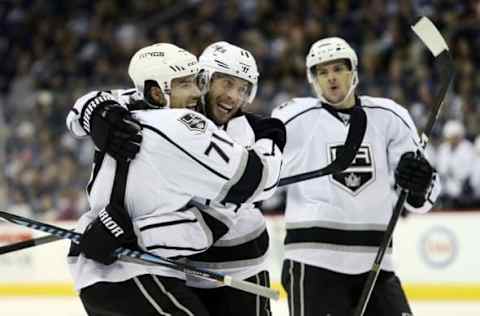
115, 131
108, 232
414, 173
271, 128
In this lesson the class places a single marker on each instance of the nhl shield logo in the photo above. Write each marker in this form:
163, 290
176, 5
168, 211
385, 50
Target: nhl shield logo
194, 122
359, 174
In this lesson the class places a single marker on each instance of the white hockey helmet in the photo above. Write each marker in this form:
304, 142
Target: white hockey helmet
229, 59
330, 49
453, 128
161, 62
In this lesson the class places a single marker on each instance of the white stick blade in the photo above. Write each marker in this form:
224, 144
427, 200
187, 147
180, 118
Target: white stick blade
430, 36
254, 288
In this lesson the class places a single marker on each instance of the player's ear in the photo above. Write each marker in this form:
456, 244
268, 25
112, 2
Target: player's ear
157, 95
153, 93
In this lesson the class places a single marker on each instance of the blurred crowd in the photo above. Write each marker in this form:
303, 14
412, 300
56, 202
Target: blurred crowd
54, 51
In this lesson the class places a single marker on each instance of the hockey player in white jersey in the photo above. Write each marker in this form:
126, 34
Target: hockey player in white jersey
335, 223
229, 74
231, 78
182, 155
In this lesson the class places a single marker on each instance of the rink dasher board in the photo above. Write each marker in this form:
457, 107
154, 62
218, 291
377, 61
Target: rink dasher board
435, 254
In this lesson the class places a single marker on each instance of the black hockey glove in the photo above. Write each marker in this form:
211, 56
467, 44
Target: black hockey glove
271, 128
115, 131
109, 231
414, 173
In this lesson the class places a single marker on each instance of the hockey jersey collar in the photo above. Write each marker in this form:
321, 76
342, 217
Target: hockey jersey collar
343, 115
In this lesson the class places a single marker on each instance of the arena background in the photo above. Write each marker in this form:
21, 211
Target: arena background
54, 51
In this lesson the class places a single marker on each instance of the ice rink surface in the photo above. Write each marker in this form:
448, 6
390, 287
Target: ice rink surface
72, 307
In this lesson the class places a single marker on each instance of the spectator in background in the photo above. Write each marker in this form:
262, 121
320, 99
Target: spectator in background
65, 48
474, 179
454, 163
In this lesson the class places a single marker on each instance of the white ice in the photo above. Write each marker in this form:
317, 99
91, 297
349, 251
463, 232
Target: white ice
72, 307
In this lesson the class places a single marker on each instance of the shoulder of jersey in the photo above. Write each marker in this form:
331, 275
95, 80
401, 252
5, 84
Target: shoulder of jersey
295, 106
240, 120
125, 96
383, 103
178, 119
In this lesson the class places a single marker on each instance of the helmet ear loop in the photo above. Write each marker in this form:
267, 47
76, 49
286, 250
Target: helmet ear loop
149, 99
355, 78
203, 81
314, 82
251, 94
354, 82
167, 93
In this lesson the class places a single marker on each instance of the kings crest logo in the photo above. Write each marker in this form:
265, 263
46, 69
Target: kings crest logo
194, 122
359, 174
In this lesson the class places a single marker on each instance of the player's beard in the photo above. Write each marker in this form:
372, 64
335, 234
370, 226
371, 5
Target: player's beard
211, 108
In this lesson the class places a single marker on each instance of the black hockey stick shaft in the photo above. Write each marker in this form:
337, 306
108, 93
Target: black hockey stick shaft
342, 161
28, 244
377, 263
429, 35
144, 257
345, 155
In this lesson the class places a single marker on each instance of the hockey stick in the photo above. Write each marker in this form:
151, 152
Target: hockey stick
433, 40
342, 161
346, 154
144, 257
28, 243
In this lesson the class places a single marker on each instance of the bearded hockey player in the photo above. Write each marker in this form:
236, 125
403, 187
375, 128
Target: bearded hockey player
230, 76
182, 155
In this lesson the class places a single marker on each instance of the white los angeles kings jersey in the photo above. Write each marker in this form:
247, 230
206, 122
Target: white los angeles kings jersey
183, 155
337, 221
242, 252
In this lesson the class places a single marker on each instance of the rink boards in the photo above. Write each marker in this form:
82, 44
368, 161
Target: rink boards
436, 256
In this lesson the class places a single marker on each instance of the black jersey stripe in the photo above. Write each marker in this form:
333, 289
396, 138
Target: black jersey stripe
217, 227
391, 111
222, 139
153, 247
170, 223
397, 115
274, 185
153, 129
303, 112
98, 161
253, 249
129, 92
271, 187
369, 238
248, 183
74, 250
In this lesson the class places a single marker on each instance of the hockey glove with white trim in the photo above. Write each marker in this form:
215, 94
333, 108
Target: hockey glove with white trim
113, 129
414, 173
111, 230
271, 128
